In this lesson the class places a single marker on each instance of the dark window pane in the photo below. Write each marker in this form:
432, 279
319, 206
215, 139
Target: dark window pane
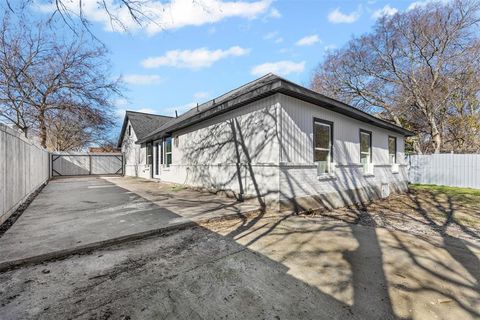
169, 159
321, 155
392, 149
169, 144
322, 136
391, 145
149, 153
161, 152
365, 142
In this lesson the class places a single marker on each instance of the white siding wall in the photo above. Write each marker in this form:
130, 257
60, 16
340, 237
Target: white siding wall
135, 156
298, 176
266, 149
297, 135
234, 151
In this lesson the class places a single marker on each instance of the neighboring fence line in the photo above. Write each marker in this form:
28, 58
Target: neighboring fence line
448, 169
81, 164
24, 167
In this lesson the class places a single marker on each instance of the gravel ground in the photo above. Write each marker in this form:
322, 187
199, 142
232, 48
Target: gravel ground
422, 212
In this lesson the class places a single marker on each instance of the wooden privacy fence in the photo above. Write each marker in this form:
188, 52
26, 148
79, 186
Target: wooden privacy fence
23, 169
81, 164
448, 169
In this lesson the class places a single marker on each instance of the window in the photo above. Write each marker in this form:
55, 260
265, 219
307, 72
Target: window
161, 152
323, 146
129, 130
365, 146
392, 149
149, 153
157, 154
168, 151
366, 152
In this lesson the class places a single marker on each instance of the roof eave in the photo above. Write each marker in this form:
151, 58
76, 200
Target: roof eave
278, 85
313, 97
237, 102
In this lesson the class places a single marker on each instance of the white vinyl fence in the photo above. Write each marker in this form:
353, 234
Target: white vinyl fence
455, 170
81, 164
24, 167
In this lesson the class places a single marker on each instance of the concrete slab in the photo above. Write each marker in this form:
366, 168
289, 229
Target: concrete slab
272, 268
75, 214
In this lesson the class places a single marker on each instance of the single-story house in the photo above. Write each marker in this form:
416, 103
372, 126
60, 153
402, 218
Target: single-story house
277, 141
136, 126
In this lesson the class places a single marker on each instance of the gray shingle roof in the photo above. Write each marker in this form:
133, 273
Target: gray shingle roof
258, 89
143, 124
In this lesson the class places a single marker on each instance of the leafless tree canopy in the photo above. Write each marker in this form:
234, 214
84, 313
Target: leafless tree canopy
72, 12
419, 69
58, 90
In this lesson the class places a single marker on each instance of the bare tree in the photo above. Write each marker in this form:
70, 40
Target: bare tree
419, 69
44, 78
119, 13
69, 131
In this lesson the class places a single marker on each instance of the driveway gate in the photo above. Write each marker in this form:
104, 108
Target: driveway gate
82, 164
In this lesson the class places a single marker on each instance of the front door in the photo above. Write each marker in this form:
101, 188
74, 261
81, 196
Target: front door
157, 163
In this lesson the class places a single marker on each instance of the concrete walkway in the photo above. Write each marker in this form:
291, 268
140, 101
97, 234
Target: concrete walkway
76, 214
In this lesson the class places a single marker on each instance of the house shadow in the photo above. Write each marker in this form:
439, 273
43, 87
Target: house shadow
230, 142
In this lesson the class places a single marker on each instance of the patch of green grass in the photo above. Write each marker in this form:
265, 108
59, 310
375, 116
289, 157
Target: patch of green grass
464, 201
447, 189
178, 188
465, 195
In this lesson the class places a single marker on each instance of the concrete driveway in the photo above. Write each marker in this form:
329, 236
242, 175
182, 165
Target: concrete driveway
74, 214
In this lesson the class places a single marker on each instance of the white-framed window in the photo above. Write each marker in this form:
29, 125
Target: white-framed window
157, 156
149, 153
167, 151
365, 146
392, 150
366, 151
323, 145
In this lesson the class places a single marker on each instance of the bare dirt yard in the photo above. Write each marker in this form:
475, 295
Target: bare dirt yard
412, 256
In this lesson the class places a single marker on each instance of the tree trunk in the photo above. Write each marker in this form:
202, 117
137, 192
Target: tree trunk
43, 128
416, 147
436, 137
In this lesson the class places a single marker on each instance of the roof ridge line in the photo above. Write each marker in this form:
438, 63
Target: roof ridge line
150, 114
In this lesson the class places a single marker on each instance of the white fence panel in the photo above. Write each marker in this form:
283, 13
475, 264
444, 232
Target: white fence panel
80, 164
108, 164
448, 169
24, 167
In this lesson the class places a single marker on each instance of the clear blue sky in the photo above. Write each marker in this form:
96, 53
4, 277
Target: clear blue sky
194, 53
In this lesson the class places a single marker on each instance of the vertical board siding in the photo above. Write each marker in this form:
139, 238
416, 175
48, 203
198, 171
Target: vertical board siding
135, 156
236, 151
455, 170
298, 174
297, 135
23, 169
